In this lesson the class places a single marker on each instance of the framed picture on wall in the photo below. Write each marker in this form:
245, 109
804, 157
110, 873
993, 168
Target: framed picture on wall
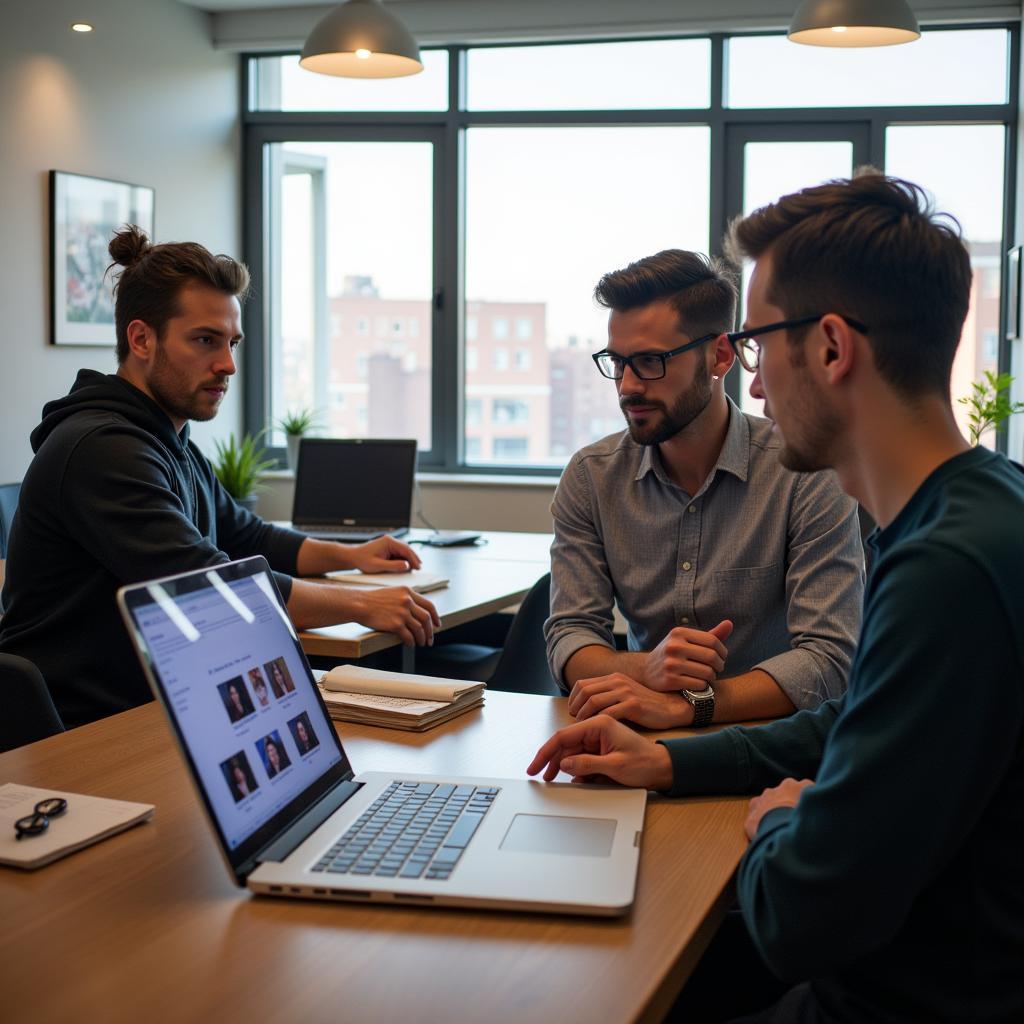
1012, 292
84, 214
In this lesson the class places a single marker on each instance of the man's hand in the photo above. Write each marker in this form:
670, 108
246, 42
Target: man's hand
602, 750
621, 697
397, 610
385, 554
786, 794
687, 659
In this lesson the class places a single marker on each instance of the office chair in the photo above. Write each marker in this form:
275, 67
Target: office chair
27, 713
8, 503
520, 666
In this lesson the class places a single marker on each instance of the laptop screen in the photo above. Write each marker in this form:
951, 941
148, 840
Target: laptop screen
364, 482
226, 662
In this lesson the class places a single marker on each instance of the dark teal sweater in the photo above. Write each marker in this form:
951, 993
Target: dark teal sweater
897, 884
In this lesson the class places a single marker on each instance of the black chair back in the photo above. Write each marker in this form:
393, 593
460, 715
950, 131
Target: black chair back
27, 713
523, 666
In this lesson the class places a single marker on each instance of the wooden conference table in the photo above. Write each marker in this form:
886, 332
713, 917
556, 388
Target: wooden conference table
483, 578
148, 925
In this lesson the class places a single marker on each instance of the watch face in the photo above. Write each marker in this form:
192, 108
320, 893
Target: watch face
699, 695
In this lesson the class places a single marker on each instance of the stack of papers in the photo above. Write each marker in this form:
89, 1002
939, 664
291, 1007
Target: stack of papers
416, 579
87, 820
396, 700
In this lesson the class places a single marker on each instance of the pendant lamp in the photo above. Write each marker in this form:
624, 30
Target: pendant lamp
360, 39
854, 23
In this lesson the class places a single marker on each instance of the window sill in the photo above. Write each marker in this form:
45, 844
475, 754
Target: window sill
525, 480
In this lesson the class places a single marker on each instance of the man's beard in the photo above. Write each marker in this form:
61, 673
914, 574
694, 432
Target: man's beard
687, 408
171, 391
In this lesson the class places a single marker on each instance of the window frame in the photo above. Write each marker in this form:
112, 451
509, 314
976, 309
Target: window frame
446, 131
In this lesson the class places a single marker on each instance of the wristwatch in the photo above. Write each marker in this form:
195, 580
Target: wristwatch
703, 702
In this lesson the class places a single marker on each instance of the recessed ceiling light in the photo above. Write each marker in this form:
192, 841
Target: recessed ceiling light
81, 26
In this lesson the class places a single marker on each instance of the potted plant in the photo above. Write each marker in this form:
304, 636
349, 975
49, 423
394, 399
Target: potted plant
989, 404
295, 425
238, 466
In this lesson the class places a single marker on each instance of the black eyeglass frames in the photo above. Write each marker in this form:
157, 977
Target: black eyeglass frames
645, 365
748, 349
39, 822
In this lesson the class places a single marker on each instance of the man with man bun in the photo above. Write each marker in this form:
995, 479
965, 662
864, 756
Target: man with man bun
117, 492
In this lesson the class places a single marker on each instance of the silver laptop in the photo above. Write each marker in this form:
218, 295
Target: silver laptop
291, 816
354, 489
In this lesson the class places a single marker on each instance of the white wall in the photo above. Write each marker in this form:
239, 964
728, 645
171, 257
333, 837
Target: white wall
146, 99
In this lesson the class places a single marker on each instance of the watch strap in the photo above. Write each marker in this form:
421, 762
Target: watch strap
703, 702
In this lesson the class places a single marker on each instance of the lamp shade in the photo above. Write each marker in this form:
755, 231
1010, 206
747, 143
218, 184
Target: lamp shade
360, 39
854, 23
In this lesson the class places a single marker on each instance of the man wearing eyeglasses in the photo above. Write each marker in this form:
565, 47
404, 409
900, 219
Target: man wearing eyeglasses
884, 879
740, 581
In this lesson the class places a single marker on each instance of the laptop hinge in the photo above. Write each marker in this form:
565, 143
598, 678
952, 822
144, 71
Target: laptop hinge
302, 828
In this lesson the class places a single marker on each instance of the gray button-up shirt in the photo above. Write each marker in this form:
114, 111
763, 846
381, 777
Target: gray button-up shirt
777, 552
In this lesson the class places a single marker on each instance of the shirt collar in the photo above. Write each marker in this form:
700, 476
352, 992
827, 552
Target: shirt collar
734, 456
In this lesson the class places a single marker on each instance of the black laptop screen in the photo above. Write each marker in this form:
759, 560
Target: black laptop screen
354, 482
236, 684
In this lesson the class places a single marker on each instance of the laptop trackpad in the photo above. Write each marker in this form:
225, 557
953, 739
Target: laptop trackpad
547, 833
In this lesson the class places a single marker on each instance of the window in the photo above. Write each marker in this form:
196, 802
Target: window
963, 168
507, 410
949, 68
511, 448
399, 227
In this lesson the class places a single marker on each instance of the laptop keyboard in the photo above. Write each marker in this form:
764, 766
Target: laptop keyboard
412, 830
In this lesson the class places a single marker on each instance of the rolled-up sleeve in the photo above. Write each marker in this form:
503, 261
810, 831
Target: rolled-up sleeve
582, 595
824, 593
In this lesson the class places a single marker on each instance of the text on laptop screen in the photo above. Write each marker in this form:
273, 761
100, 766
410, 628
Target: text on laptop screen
234, 680
369, 482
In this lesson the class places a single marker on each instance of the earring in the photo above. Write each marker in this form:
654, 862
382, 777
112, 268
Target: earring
714, 376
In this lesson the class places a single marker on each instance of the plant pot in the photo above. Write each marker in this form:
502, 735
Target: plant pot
292, 441
249, 503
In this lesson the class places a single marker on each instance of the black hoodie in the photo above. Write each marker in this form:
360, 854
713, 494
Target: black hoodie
113, 496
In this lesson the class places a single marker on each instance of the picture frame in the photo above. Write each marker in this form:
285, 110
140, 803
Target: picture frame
1013, 292
84, 214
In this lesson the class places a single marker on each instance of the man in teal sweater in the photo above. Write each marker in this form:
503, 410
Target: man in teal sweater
885, 875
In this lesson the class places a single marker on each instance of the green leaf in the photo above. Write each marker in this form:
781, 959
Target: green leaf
989, 404
300, 422
238, 465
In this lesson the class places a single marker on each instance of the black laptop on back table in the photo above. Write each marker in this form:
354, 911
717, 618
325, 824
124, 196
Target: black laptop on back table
354, 489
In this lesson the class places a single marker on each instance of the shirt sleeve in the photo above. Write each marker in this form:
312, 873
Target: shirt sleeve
925, 737
749, 760
582, 596
824, 592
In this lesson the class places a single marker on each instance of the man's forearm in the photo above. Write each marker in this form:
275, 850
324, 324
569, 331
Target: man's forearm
316, 557
748, 696
598, 660
321, 604
741, 698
